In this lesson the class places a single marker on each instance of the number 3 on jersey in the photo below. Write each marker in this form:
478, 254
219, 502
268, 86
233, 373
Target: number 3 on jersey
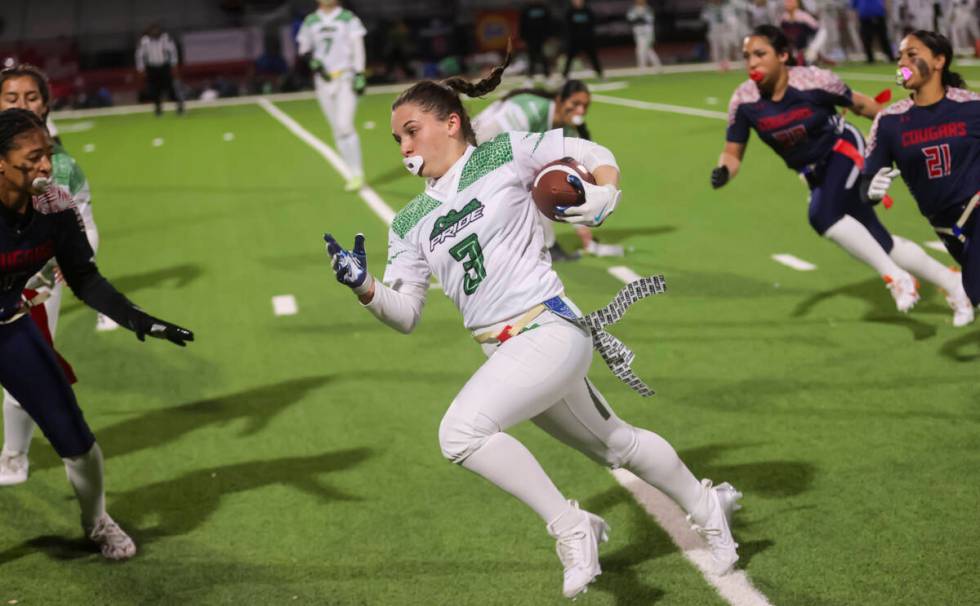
939, 162
468, 252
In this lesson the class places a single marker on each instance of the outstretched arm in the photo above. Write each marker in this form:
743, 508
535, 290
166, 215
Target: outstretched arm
728, 164
865, 105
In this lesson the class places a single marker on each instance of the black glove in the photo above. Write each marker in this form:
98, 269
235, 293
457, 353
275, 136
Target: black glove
719, 176
161, 329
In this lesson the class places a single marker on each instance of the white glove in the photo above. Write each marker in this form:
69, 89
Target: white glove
600, 202
881, 182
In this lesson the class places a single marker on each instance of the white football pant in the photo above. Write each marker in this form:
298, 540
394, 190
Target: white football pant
339, 104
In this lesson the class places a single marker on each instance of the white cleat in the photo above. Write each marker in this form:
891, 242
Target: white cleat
13, 469
963, 311
112, 540
578, 550
722, 501
598, 249
104, 323
904, 290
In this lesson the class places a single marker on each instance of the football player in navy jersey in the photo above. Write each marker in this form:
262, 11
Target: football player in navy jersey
933, 138
36, 224
794, 111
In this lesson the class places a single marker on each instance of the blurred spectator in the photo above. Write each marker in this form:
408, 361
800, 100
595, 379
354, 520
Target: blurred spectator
871, 13
397, 50
156, 59
535, 28
269, 69
580, 21
640, 16
803, 32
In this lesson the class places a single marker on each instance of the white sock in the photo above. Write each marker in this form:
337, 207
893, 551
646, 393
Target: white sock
17, 427
85, 475
508, 464
656, 462
849, 234
912, 258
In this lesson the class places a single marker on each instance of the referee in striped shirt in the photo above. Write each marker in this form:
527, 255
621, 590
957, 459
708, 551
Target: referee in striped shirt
156, 58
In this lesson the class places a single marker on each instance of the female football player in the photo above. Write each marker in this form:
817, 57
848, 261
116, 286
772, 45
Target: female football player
794, 111
474, 227
37, 223
934, 140
538, 111
26, 87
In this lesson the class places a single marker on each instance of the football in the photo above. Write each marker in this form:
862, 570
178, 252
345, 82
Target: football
551, 187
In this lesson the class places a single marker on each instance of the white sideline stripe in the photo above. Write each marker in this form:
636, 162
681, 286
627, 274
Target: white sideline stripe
284, 305
735, 587
370, 197
661, 107
603, 86
124, 110
795, 262
105, 324
624, 274
936, 245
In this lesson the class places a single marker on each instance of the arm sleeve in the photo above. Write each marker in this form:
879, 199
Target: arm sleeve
738, 124
830, 88
357, 50
304, 40
877, 155
399, 305
590, 154
77, 263
140, 65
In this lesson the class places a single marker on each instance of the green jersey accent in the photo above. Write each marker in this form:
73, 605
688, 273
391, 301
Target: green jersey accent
409, 216
311, 19
469, 252
65, 171
345, 15
485, 159
537, 110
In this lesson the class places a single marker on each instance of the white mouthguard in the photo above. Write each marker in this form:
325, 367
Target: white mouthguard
41, 184
413, 164
578, 119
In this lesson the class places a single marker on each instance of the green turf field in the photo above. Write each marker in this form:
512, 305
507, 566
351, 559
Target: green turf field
295, 459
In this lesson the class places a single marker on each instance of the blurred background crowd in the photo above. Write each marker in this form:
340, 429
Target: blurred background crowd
224, 48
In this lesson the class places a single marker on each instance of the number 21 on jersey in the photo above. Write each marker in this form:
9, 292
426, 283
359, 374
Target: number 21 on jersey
939, 162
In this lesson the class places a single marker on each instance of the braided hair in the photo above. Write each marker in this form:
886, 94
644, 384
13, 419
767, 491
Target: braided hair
23, 70
938, 44
442, 98
15, 122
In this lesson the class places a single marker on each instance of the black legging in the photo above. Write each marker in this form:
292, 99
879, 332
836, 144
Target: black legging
577, 45
871, 27
30, 371
967, 254
536, 56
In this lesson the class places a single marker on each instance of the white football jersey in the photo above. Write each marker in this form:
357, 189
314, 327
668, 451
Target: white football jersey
526, 112
476, 230
331, 36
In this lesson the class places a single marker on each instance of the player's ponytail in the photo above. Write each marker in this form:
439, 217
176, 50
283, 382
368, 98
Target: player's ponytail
939, 44
26, 70
14, 122
442, 98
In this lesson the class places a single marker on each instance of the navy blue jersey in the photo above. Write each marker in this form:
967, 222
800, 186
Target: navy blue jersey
803, 126
937, 148
52, 227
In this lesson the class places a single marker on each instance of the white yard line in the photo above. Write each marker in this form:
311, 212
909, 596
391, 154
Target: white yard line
794, 262
370, 197
735, 587
661, 107
284, 305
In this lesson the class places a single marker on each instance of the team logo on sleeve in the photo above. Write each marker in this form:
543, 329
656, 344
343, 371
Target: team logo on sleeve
450, 224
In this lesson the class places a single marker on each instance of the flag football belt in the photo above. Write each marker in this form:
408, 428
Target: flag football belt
617, 356
846, 148
26, 304
957, 229
513, 329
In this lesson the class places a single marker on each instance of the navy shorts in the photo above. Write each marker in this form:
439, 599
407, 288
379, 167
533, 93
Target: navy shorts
834, 193
30, 371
